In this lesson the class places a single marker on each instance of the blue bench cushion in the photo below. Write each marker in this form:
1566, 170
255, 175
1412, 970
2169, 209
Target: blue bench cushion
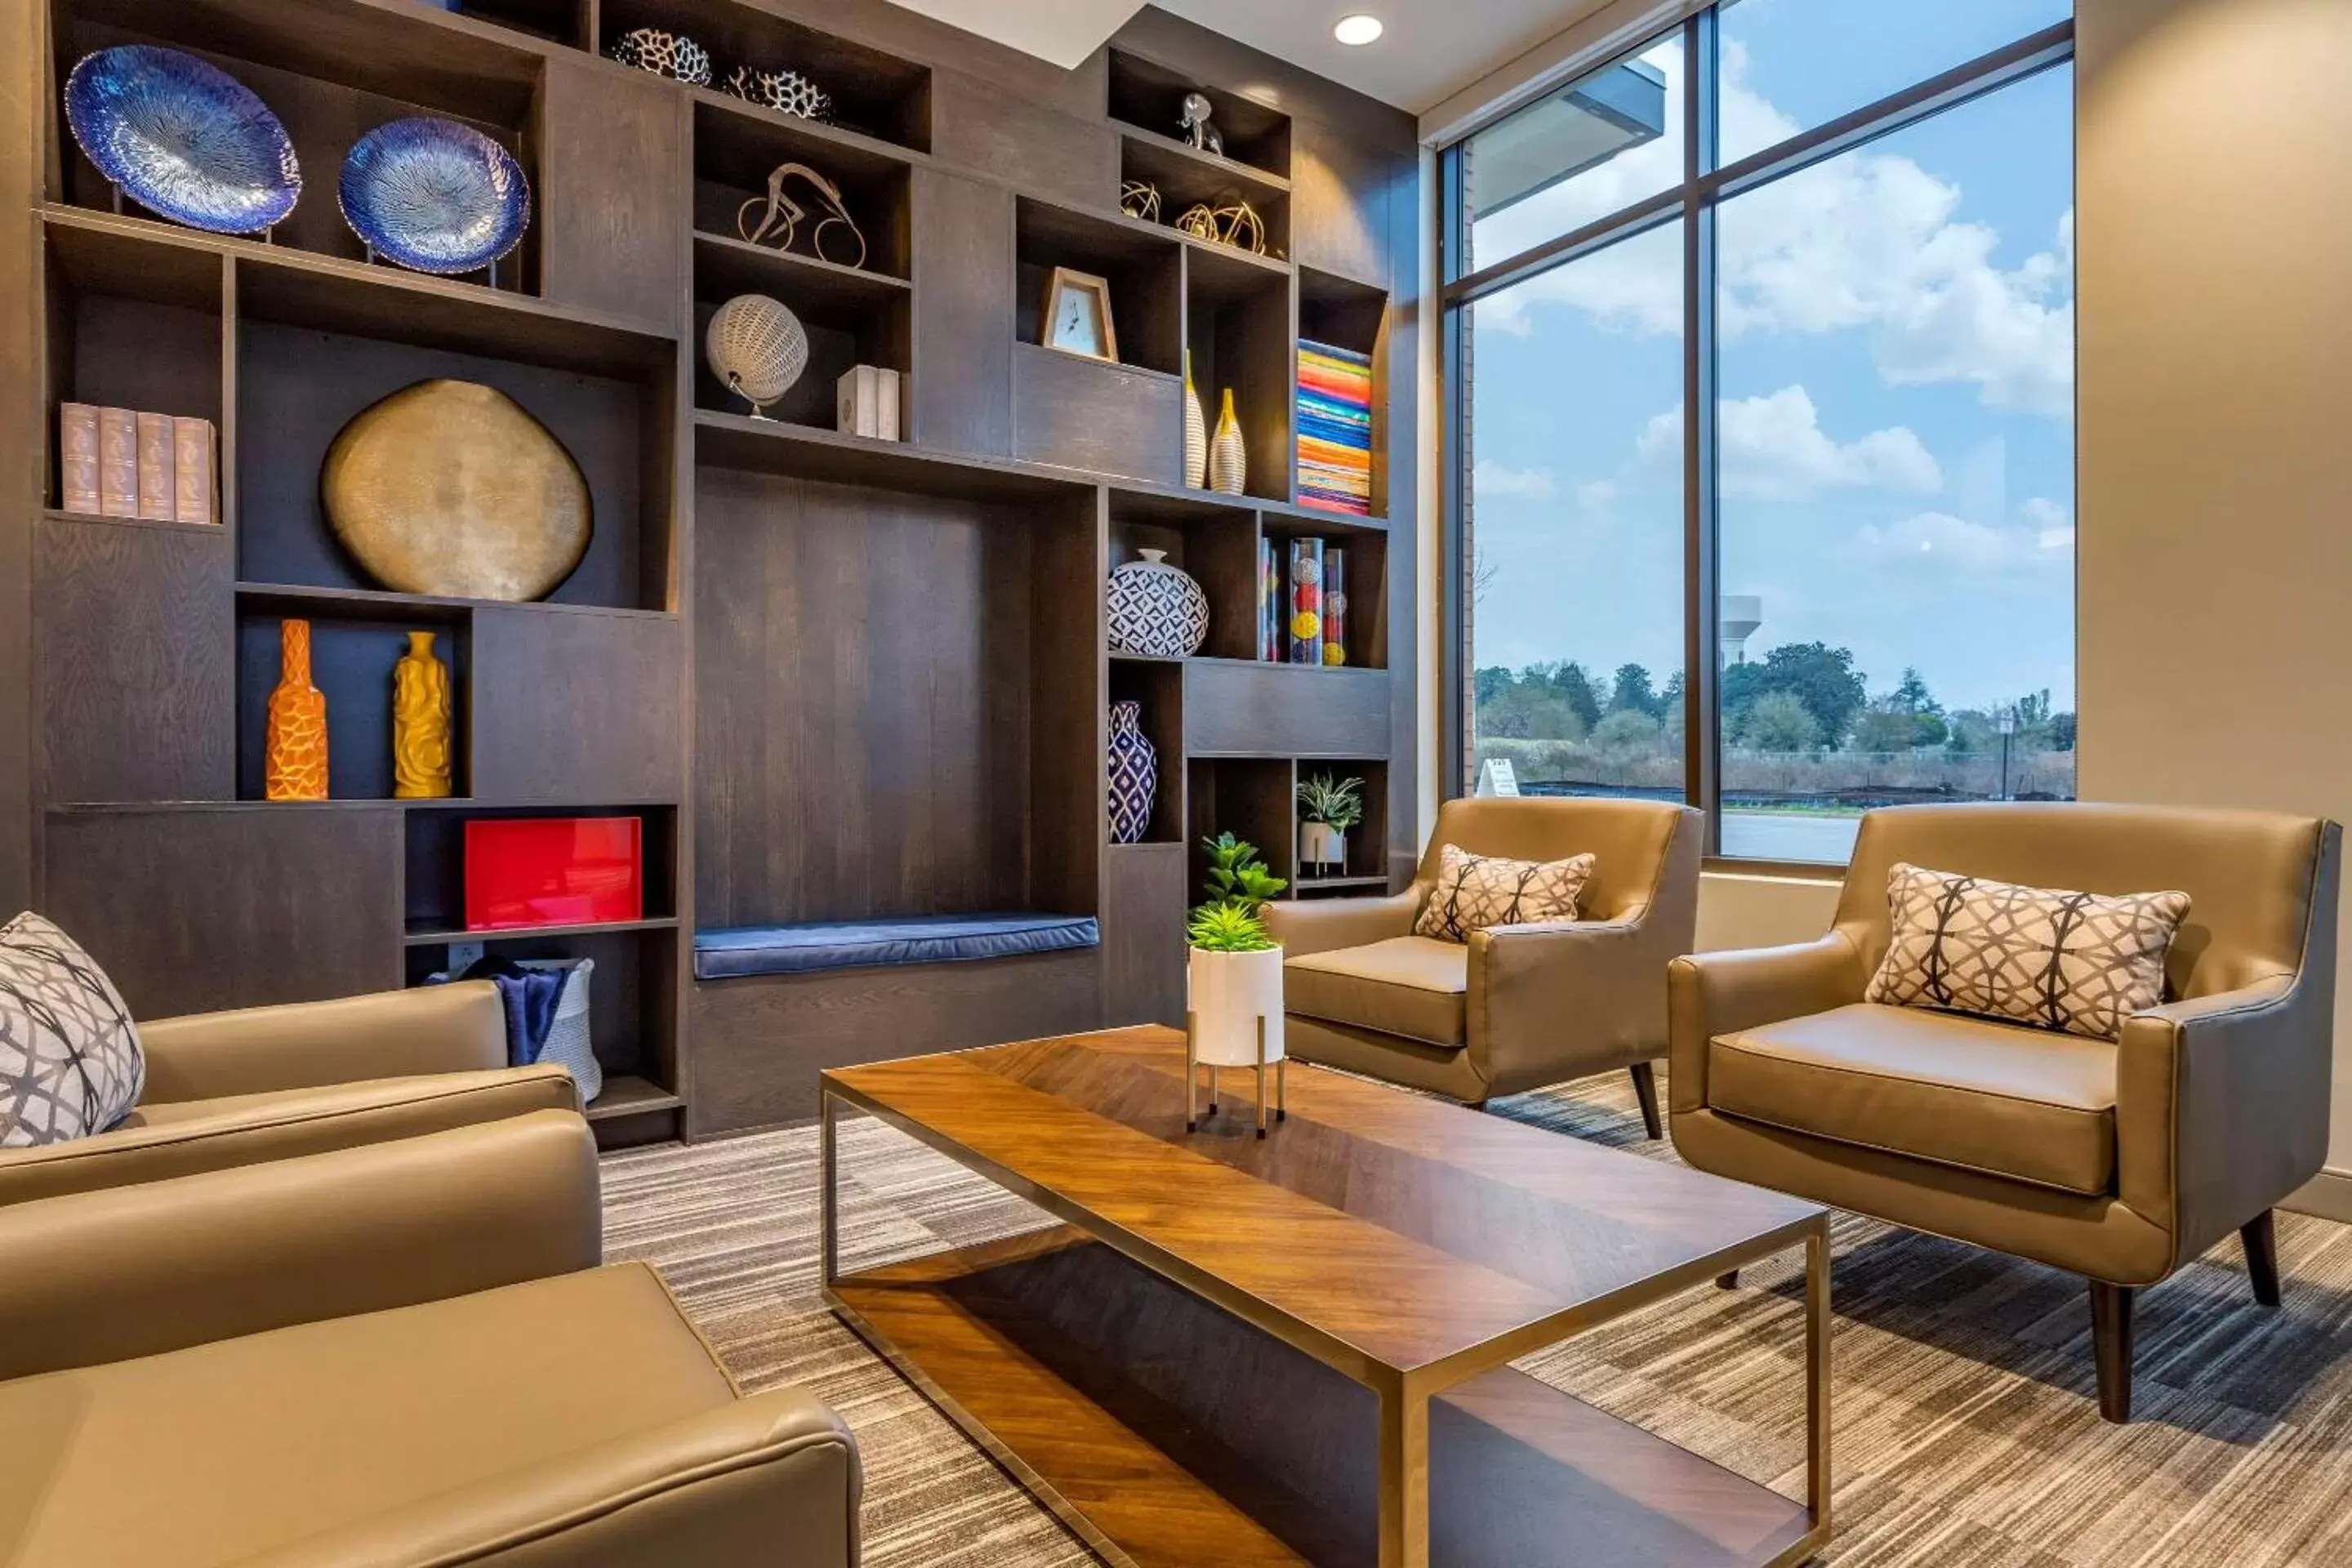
845, 944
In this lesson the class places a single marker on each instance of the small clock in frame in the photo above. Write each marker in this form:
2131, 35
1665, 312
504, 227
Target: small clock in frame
1076, 317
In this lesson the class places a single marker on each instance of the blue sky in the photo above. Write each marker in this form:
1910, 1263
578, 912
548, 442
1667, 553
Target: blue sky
1897, 372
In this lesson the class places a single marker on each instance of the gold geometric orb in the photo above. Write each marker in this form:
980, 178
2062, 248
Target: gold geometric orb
451, 487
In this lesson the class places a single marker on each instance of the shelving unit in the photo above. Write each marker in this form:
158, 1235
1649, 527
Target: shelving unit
835, 678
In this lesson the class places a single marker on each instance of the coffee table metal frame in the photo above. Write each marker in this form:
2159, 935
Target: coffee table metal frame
1403, 1395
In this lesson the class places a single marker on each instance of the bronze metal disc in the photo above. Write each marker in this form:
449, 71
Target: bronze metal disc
452, 488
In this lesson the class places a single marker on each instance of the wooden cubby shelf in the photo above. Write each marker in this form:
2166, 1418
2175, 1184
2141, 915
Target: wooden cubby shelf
1148, 94
835, 678
430, 935
881, 95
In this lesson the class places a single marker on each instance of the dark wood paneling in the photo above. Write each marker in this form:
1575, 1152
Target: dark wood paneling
1105, 418
1068, 809
1144, 891
1340, 195
137, 693
612, 190
1275, 711
1017, 140
862, 708
964, 272
577, 708
232, 906
760, 1043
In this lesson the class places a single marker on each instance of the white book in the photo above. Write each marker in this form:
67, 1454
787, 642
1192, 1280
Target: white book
117, 463
77, 458
191, 471
155, 486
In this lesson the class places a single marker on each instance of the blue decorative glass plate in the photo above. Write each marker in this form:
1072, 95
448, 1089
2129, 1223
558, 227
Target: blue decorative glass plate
435, 195
183, 139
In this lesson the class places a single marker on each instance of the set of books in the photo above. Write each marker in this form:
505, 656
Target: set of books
1335, 428
114, 462
866, 402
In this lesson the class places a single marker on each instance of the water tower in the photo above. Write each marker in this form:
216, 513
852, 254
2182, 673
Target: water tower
1742, 613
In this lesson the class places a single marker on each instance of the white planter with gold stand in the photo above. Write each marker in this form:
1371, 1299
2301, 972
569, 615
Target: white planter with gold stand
1232, 1018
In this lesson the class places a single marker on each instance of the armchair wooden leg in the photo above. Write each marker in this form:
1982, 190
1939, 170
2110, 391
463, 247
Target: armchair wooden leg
2259, 1236
2111, 1345
1646, 1088
1728, 1281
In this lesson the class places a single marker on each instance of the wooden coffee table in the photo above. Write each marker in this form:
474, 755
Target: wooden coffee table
1232, 1351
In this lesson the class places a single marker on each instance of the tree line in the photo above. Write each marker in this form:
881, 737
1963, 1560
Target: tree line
1800, 696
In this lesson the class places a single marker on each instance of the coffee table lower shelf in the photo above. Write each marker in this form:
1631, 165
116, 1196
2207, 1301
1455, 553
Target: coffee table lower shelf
1164, 1431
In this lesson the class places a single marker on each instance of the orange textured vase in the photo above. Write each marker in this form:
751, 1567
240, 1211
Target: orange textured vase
295, 762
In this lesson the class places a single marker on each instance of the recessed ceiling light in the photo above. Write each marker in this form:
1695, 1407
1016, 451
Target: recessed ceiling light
1358, 29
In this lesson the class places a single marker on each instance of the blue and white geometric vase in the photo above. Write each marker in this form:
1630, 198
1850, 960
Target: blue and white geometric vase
1134, 775
1156, 610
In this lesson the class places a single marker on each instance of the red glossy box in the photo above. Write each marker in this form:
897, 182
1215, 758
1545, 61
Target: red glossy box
554, 871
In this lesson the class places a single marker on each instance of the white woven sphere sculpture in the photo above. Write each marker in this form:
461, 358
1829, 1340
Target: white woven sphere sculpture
756, 347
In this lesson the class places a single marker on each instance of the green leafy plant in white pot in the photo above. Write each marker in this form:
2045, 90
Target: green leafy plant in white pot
1328, 809
1234, 979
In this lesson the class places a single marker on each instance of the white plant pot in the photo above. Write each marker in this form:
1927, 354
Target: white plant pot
1227, 994
1320, 844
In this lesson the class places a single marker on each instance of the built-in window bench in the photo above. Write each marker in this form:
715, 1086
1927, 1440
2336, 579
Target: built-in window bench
808, 946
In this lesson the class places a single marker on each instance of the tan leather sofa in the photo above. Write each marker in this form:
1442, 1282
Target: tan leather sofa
2118, 1161
1515, 1007
398, 1354
269, 1083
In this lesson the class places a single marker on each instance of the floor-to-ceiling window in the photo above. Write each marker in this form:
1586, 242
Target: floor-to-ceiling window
1840, 231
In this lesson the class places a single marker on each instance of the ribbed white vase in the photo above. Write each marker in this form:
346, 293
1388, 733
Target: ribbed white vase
1196, 433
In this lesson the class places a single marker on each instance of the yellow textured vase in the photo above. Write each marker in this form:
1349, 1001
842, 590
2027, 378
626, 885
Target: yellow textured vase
295, 754
420, 722
1228, 457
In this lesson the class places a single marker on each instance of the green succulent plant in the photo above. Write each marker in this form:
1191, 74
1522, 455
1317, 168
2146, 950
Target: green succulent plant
1236, 874
1227, 928
1334, 803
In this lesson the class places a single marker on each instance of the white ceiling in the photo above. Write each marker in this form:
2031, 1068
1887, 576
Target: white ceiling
1432, 48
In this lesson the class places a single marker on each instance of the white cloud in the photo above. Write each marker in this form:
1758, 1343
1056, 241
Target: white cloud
1867, 242
1939, 541
2053, 525
1491, 480
1594, 494
1774, 449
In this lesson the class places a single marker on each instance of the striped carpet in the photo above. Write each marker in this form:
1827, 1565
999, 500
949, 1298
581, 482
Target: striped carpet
1966, 1428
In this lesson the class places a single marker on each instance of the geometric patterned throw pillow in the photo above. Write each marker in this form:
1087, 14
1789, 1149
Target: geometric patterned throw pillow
2078, 963
1474, 891
70, 1063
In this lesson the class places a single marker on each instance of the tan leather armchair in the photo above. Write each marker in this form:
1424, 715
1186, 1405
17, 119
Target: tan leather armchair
398, 1354
1515, 1007
2117, 1161
269, 1083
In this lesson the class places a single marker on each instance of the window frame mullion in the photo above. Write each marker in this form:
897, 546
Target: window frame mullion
1702, 751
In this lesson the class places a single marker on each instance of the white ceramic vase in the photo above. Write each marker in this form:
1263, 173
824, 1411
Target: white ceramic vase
1320, 844
1227, 994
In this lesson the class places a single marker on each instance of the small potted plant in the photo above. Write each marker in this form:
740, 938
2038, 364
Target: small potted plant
1233, 982
1328, 808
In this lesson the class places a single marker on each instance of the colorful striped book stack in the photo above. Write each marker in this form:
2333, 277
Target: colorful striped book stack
1335, 428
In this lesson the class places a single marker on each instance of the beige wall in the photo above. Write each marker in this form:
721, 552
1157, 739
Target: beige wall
2214, 249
